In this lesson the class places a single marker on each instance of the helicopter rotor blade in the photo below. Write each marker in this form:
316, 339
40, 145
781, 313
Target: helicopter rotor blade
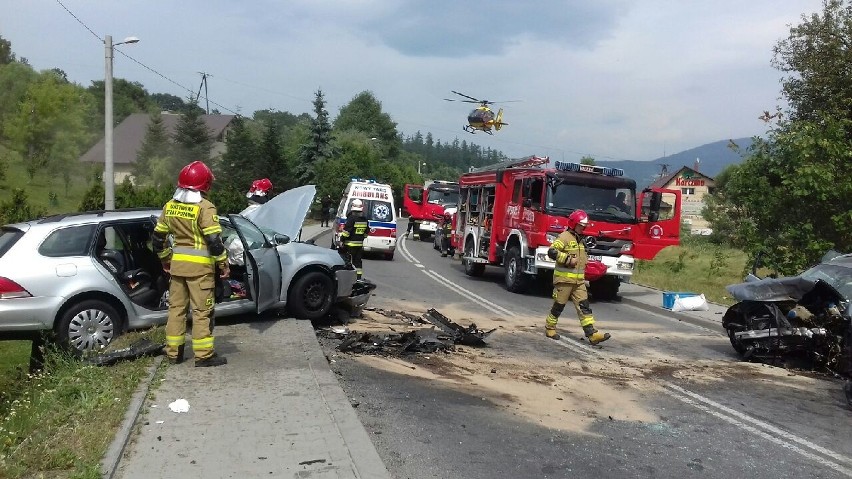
466, 96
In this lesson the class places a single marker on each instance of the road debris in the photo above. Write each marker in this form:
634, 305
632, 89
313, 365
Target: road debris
410, 318
179, 406
141, 348
423, 340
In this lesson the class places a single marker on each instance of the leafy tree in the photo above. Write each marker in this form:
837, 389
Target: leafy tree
168, 102
283, 118
587, 160
192, 139
127, 97
6, 54
49, 126
15, 79
364, 113
318, 147
790, 197
156, 144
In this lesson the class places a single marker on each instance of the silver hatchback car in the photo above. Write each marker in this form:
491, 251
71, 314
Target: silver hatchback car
88, 277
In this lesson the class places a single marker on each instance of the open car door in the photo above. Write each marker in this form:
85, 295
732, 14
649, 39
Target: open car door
263, 265
659, 222
412, 200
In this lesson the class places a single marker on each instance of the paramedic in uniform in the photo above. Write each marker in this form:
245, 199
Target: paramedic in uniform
352, 236
191, 258
569, 279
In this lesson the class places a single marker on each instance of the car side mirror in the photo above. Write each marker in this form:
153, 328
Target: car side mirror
280, 239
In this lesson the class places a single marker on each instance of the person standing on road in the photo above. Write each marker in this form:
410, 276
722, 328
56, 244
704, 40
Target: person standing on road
352, 236
191, 258
325, 216
569, 279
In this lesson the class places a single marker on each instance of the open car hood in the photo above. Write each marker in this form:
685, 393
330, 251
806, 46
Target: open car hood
774, 289
286, 212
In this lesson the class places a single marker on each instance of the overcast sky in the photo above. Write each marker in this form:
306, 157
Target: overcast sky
614, 79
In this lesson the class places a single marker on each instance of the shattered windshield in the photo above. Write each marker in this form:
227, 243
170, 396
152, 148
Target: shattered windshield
602, 203
443, 197
838, 276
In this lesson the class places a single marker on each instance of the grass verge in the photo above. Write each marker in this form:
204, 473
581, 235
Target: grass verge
60, 422
696, 266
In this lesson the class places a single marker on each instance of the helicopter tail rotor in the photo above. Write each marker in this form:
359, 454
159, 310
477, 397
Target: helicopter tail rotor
498, 121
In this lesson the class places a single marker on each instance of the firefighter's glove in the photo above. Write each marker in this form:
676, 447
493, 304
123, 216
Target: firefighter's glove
562, 258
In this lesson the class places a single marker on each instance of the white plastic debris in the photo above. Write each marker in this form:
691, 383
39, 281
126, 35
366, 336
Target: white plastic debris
340, 329
690, 303
179, 405
160, 422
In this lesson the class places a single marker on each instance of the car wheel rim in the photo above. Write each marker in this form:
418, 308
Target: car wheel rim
91, 329
314, 297
511, 269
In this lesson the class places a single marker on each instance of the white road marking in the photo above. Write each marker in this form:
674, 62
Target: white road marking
761, 424
765, 435
730, 415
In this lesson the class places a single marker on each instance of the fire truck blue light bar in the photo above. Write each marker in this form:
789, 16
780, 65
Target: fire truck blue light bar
598, 170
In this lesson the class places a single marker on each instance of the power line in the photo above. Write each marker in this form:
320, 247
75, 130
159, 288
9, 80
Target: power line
143, 65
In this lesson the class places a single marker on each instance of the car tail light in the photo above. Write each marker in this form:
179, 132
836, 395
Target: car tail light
10, 289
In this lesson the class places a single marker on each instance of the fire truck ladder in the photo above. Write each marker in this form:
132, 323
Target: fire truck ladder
526, 162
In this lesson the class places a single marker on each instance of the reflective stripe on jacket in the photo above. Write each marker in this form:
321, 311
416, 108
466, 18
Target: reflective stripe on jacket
189, 224
355, 230
568, 245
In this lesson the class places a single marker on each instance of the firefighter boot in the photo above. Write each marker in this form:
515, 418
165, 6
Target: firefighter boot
210, 362
551, 332
179, 358
594, 336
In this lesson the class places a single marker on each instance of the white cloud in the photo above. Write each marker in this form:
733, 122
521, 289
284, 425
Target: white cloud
614, 79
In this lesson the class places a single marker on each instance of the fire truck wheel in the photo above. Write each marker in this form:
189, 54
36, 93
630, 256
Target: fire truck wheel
515, 277
424, 236
471, 269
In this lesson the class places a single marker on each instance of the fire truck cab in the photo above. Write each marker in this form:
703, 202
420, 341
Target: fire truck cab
426, 203
510, 213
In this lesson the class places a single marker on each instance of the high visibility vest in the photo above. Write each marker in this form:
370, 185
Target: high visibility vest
568, 245
355, 230
189, 223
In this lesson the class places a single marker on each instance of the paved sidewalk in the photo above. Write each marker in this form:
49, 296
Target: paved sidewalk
275, 410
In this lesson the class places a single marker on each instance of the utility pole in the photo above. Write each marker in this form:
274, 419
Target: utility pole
203, 84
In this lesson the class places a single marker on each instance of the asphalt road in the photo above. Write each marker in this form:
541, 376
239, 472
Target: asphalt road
662, 399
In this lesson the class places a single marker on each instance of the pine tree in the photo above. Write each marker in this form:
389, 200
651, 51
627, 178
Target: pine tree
240, 164
318, 148
272, 163
155, 145
192, 140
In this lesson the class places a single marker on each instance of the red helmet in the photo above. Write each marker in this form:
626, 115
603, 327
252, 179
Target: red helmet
578, 217
196, 176
261, 187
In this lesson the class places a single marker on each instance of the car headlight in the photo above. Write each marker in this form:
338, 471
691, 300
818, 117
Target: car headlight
627, 248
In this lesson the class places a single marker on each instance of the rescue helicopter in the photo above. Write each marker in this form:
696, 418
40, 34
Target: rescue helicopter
483, 117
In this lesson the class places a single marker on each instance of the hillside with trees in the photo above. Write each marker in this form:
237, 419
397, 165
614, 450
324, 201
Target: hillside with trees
47, 122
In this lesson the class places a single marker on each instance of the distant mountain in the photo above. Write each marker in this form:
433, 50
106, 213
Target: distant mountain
713, 158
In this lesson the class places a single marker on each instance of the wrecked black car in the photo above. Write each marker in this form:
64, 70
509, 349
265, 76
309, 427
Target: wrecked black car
805, 317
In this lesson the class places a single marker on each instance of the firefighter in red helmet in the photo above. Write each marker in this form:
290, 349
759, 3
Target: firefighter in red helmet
569, 278
191, 258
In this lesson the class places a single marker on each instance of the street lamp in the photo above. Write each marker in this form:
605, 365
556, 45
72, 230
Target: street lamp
109, 175
418, 166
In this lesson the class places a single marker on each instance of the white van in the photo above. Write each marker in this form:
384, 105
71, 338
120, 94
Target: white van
380, 212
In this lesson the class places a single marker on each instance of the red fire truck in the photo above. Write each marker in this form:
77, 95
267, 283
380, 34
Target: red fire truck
426, 203
509, 214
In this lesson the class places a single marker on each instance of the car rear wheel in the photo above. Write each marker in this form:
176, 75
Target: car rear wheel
311, 296
89, 325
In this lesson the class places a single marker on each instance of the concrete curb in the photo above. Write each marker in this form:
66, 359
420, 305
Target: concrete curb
112, 457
